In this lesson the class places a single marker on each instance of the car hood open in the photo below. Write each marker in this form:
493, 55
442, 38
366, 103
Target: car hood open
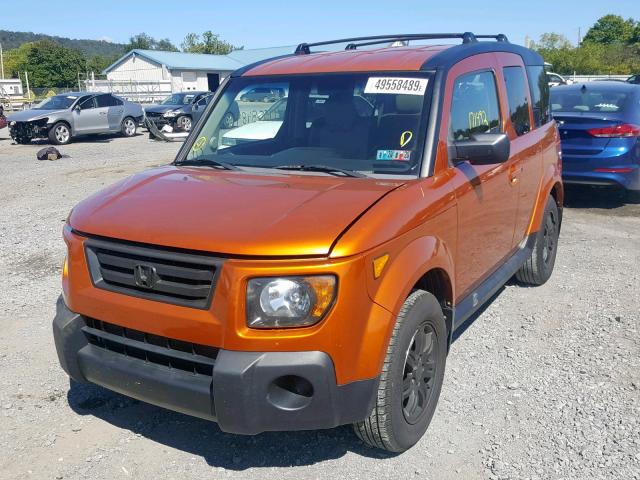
31, 115
229, 213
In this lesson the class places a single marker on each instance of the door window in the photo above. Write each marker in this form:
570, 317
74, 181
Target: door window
474, 106
518, 99
87, 103
107, 101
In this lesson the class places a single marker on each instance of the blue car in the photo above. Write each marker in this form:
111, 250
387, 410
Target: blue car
599, 125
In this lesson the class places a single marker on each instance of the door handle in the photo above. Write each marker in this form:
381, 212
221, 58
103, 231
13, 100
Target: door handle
103, 113
513, 172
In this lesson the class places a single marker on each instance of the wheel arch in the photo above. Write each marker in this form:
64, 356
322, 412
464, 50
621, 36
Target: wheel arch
66, 122
425, 263
551, 185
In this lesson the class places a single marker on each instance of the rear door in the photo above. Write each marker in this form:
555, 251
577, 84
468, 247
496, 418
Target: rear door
114, 110
525, 169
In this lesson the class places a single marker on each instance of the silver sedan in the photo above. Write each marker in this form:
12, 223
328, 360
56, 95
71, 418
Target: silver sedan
63, 117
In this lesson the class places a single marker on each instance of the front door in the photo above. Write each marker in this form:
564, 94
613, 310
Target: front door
486, 196
88, 118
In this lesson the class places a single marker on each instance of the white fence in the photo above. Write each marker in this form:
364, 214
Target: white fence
591, 78
141, 91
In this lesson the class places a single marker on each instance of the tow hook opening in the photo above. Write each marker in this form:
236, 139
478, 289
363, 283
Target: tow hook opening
290, 392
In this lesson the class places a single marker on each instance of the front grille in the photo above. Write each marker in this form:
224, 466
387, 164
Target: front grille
185, 279
168, 352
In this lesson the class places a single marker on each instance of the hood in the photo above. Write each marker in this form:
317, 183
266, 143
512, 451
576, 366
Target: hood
229, 213
30, 115
162, 108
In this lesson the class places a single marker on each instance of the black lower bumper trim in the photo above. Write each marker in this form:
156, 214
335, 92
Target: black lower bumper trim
248, 393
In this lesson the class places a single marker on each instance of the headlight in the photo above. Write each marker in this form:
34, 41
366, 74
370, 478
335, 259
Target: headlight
170, 114
286, 302
12, 124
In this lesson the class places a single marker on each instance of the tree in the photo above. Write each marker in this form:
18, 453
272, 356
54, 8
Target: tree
165, 44
209, 42
611, 29
49, 64
98, 63
142, 41
549, 41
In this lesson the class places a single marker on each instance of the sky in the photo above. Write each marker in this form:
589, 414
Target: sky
265, 23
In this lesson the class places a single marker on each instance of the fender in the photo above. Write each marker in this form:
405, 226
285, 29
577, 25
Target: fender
552, 176
405, 268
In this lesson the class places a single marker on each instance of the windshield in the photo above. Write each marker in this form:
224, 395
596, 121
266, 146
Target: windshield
178, 99
369, 123
57, 102
590, 99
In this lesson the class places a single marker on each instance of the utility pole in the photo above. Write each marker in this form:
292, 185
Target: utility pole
1, 62
26, 78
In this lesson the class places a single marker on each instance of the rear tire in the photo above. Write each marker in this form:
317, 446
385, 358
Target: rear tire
539, 266
633, 196
411, 378
60, 134
128, 127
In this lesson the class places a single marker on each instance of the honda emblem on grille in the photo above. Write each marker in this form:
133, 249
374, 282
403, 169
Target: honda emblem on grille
145, 276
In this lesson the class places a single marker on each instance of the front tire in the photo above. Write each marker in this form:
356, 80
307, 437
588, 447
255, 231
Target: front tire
60, 134
411, 379
184, 123
539, 266
128, 127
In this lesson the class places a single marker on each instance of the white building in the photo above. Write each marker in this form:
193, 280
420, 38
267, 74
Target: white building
148, 75
11, 88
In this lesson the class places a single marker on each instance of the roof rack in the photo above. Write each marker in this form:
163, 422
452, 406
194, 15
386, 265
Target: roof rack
355, 42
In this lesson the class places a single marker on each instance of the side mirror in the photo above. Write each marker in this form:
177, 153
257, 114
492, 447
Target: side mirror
76, 108
483, 149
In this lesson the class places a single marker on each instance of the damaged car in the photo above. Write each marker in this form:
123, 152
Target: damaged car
63, 117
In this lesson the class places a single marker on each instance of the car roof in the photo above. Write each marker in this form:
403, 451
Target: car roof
400, 58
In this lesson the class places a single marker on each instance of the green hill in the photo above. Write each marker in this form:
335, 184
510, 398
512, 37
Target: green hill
90, 48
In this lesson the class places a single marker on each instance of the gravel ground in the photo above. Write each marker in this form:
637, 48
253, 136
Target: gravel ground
544, 383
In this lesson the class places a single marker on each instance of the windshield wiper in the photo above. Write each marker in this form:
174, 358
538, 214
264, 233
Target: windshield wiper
207, 162
322, 168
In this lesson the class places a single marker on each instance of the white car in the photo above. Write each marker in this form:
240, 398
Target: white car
556, 79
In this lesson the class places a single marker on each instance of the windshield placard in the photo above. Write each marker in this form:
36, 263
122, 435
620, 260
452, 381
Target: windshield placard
396, 85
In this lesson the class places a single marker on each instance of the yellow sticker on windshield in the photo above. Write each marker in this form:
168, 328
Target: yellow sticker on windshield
200, 143
405, 138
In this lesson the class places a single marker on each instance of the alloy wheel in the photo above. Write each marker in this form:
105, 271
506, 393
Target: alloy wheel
419, 373
129, 127
62, 134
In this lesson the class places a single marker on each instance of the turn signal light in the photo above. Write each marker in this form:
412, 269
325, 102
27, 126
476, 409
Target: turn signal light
379, 264
622, 130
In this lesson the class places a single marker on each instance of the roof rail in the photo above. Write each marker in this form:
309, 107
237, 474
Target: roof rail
355, 42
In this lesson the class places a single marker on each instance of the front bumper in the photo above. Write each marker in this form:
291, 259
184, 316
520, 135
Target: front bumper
246, 392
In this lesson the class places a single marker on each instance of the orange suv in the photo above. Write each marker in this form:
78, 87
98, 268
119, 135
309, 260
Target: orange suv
308, 266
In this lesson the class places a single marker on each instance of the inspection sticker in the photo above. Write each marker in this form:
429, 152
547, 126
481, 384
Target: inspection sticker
397, 85
397, 155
